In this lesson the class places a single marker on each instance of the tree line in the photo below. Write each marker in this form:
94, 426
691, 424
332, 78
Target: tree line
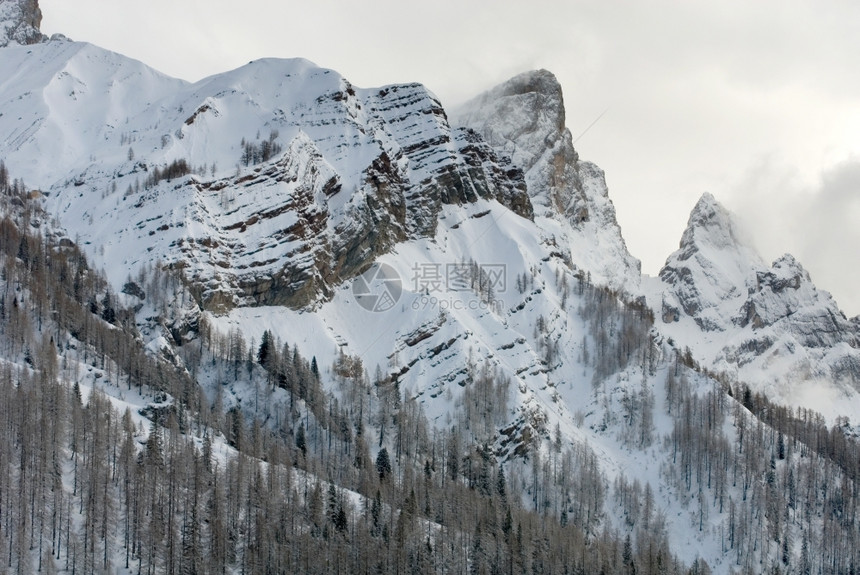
321, 470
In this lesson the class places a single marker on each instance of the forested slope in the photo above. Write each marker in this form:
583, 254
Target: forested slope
113, 459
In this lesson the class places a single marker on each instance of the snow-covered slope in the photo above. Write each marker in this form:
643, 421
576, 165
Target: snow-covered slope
76, 104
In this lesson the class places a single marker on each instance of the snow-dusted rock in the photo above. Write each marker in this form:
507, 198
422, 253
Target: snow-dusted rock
19, 22
524, 118
712, 271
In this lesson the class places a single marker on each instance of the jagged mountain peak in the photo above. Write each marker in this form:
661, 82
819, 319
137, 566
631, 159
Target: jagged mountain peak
521, 116
524, 119
785, 293
763, 323
19, 22
712, 266
710, 225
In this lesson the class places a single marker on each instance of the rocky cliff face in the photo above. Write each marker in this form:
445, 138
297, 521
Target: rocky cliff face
19, 22
524, 119
337, 230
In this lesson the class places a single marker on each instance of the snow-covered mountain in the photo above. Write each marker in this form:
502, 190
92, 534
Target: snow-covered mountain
330, 176
765, 325
470, 258
352, 176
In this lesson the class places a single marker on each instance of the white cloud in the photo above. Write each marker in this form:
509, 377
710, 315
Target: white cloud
819, 222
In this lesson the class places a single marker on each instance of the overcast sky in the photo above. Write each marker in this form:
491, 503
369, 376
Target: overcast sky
755, 102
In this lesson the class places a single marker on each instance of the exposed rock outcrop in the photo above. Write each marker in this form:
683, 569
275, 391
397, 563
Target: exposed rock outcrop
19, 22
524, 119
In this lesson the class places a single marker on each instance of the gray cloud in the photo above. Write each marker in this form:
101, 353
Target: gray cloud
829, 228
818, 223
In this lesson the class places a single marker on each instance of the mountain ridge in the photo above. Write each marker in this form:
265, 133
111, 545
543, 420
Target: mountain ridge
235, 212
239, 237
409, 169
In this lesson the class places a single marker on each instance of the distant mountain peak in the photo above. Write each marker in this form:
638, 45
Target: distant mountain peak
712, 265
710, 225
761, 311
19, 22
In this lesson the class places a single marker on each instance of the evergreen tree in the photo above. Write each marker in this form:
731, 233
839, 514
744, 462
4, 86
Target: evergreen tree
301, 443
383, 464
264, 353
